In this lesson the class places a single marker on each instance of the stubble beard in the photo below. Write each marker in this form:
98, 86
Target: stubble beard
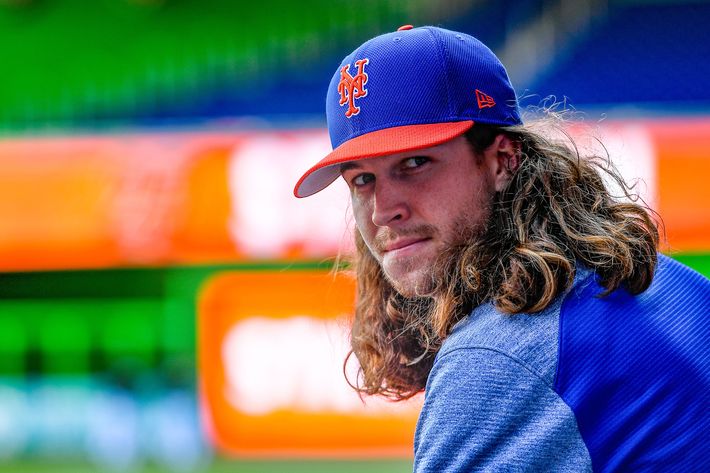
410, 269
466, 234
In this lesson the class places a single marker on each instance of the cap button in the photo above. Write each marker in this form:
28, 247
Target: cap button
405, 27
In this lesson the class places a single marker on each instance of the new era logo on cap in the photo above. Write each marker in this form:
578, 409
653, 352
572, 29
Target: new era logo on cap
484, 100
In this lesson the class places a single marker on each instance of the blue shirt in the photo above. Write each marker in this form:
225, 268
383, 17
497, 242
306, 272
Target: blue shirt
616, 383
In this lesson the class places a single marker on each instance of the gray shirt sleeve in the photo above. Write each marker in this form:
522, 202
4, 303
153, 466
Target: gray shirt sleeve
485, 411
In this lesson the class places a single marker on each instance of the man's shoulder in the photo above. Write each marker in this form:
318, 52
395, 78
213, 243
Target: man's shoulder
529, 339
668, 319
676, 291
672, 283
536, 340
633, 367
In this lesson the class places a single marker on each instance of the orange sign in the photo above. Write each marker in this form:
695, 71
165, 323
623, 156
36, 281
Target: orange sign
209, 197
271, 347
161, 199
683, 162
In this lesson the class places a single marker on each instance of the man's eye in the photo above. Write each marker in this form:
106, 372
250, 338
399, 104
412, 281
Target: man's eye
362, 179
415, 161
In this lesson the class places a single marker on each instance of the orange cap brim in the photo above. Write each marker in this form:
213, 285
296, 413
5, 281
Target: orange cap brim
377, 143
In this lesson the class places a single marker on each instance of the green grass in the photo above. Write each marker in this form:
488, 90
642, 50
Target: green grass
229, 466
698, 261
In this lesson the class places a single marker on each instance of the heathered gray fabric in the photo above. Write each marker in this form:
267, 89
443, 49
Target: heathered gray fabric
489, 402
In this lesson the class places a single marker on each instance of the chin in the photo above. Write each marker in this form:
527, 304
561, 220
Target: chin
411, 284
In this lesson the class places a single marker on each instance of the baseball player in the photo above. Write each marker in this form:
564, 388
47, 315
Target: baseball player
498, 273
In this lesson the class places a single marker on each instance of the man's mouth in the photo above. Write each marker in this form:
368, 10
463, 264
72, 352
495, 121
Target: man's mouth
402, 244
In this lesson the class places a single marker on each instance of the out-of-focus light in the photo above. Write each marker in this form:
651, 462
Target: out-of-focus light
271, 348
294, 364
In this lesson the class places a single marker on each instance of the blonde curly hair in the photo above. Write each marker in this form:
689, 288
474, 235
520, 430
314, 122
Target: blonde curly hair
555, 214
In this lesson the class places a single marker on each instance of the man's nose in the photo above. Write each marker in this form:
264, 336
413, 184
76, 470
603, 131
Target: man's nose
390, 204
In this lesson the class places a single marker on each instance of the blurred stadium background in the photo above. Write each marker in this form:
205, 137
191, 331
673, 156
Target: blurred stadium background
164, 301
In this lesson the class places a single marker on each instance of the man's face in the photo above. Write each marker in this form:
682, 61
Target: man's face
409, 206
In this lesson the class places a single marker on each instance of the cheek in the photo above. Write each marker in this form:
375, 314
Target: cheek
360, 210
363, 219
465, 204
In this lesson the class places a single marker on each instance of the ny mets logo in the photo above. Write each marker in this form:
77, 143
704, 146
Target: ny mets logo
351, 88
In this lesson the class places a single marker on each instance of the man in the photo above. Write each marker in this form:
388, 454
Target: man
498, 273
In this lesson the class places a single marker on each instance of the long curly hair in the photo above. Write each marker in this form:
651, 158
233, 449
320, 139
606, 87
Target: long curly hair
556, 213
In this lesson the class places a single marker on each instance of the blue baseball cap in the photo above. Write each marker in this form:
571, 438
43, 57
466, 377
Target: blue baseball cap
406, 90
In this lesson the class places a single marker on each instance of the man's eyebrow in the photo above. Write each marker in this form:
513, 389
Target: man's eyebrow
349, 165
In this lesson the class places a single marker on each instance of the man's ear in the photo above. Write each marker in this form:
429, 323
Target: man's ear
503, 157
